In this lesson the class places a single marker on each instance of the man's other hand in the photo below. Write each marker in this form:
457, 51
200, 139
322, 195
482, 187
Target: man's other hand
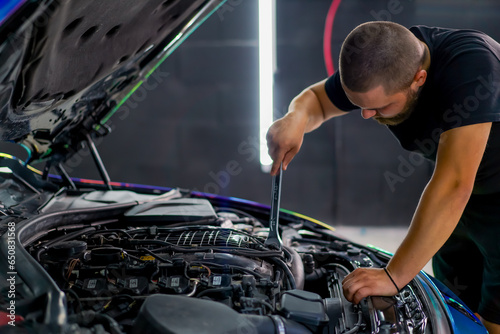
364, 282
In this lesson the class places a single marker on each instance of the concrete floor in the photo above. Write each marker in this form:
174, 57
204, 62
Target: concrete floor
387, 238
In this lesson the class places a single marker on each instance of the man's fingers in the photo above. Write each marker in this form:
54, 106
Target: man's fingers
360, 294
288, 158
283, 144
275, 167
349, 286
276, 162
354, 292
358, 285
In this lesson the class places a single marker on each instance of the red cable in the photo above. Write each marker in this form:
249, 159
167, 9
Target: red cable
327, 37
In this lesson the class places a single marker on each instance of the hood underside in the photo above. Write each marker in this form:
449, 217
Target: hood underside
67, 65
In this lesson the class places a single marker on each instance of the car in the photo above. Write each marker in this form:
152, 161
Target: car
95, 256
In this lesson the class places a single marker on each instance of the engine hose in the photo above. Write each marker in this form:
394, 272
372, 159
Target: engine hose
214, 290
297, 268
275, 325
288, 273
357, 326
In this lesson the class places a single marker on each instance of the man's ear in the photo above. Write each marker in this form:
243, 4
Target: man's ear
419, 78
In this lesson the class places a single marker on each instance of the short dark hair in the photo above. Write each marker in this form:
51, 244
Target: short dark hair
380, 53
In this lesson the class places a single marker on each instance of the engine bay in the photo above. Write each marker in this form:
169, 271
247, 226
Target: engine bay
185, 265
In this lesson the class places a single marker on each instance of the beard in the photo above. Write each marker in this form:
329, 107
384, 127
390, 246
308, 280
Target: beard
409, 107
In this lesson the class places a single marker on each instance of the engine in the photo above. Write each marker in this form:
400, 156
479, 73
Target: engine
140, 273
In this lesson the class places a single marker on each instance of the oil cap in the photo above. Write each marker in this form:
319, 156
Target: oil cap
65, 250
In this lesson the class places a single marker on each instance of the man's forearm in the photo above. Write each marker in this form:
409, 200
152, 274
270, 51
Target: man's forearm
307, 109
444, 199
312, 107
437, 215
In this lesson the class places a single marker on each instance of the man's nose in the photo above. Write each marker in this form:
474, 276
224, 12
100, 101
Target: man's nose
368, 113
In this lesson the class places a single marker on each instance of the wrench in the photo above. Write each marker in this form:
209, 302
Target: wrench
273, 238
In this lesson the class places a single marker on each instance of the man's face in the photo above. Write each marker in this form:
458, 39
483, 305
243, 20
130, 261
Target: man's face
385, 109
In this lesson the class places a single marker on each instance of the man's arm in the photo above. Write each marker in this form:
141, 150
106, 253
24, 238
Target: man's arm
441, 205
306, 112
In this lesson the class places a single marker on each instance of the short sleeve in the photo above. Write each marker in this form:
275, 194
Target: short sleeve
336, 93
471, 93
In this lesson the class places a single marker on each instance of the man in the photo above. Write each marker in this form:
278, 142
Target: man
437, 91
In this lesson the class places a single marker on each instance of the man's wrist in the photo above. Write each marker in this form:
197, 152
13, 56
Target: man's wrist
399, 279
390, 277
299, 119
402, 273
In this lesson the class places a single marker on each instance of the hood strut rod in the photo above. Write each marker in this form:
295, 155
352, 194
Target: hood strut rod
98, 162
62, 172
65, 176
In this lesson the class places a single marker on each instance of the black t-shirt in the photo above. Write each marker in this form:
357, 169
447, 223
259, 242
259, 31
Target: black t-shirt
462, 88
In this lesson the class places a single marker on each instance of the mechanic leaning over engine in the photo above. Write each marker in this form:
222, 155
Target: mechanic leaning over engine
438, 91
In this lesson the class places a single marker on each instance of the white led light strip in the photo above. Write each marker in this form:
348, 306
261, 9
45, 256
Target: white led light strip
267, 32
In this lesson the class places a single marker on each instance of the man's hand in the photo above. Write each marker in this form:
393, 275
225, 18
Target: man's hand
284, 139
364, 282
306, 112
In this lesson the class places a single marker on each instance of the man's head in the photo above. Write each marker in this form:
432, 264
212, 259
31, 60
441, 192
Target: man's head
381, 69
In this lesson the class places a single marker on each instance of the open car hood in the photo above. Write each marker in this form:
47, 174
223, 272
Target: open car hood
67, 65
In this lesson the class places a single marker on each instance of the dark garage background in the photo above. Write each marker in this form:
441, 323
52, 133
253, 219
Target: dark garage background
195, 122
